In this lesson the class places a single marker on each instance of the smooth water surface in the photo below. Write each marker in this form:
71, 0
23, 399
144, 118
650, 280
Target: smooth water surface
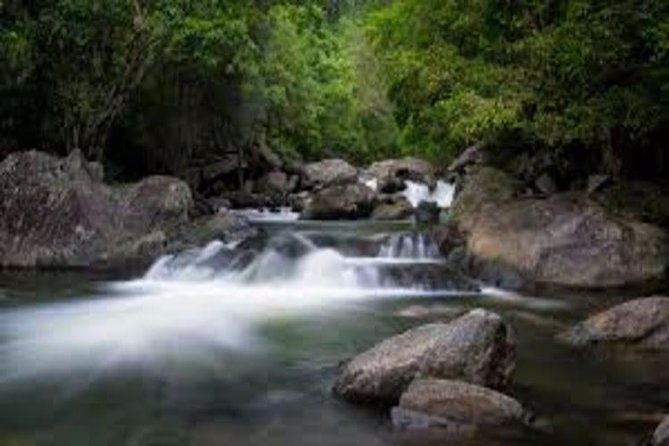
240, 345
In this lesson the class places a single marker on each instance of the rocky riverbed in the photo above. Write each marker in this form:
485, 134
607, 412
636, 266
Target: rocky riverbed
376, 311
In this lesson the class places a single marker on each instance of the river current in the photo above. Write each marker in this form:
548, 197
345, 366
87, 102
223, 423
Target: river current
239, 344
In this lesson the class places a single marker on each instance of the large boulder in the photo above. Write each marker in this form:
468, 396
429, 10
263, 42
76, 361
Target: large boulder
329, 172
641, 323
349, 201
477, 348
456, 405
391, 173
56, 213
565, 239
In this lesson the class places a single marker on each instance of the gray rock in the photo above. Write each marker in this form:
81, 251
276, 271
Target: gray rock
565, 240
55, 213
477, 348
470, 156
299, 201
274, 183
397, 208
640, 323
545, 184
427, 276
225, 226
447, 237
329, 172
391, 173
455, 405
350, 201
661, 434
597, 182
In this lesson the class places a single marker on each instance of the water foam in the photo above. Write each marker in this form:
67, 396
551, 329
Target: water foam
417, 192
211, 298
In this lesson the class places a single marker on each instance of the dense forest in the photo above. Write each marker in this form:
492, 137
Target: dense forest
155, 86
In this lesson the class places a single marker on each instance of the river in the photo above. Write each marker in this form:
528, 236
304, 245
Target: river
239, 345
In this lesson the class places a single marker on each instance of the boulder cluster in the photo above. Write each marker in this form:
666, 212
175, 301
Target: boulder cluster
441, 375
455, 378
330, 189
58, 213
515, 237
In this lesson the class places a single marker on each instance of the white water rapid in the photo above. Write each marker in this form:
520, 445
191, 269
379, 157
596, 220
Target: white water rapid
211, 298
417, 192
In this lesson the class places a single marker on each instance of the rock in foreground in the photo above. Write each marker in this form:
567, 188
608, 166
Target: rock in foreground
455, 405
641, 323
477, 348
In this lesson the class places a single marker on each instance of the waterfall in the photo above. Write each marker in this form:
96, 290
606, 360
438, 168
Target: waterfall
411, 245
214, 297
417, 192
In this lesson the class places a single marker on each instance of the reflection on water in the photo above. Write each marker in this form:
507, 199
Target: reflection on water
232, 345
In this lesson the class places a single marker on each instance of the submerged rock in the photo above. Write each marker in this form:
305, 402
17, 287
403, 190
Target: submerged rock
477, 348
350, 201
641, 323
329, 172
565, 239
427, 276
224, 226
436, 311
455, 405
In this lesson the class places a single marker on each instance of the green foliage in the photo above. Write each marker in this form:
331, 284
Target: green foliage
223, 71
313, 88
167, 81
564, 72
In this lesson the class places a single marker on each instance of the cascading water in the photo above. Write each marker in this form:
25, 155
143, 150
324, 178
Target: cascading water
417, 192
275, 215
412, 246
224, 343
214, 297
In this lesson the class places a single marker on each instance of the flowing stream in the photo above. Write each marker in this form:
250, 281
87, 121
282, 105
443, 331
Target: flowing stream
239, 344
